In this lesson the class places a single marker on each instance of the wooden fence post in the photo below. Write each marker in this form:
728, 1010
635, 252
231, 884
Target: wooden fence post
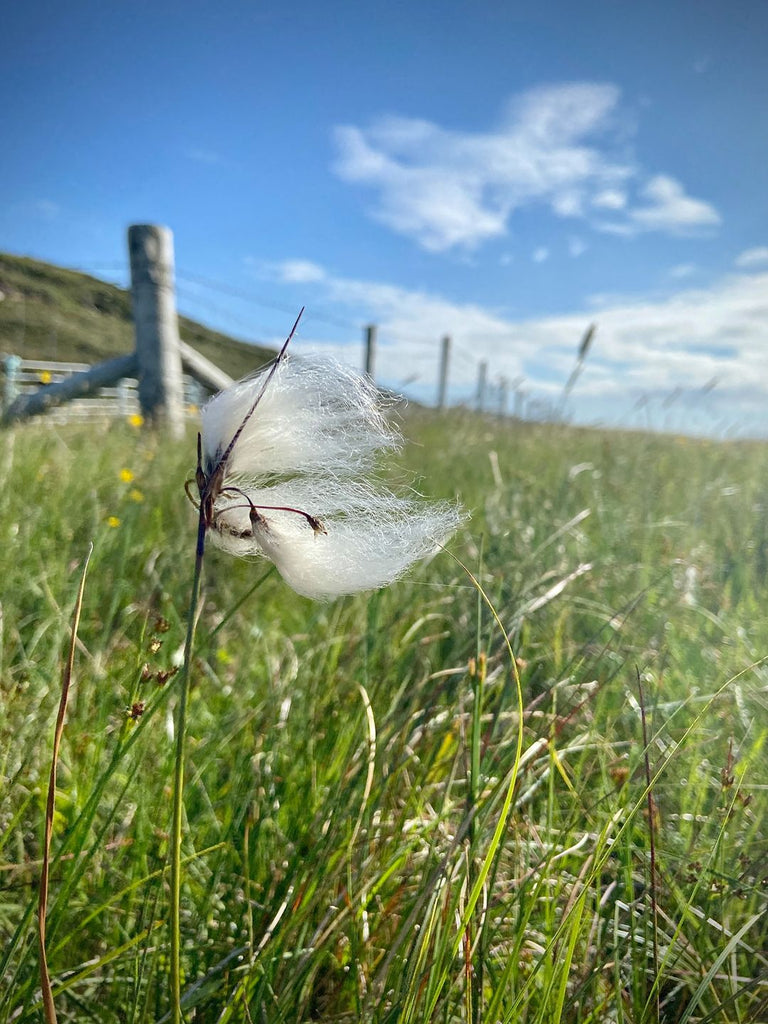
157, 331
482, 383
442, 386
370, 350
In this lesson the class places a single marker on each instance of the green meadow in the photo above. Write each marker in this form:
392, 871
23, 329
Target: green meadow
430, 803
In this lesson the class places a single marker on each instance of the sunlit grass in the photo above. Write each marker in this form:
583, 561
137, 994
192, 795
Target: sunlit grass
343, 787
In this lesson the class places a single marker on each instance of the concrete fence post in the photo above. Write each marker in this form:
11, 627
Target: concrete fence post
157, 331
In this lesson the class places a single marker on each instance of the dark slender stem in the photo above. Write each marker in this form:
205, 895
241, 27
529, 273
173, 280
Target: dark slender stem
178, 778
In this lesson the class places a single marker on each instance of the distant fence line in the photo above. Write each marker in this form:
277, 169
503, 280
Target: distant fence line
23, 378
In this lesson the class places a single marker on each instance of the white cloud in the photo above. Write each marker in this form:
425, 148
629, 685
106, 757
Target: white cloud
670, 209
610, 199
540, 255
576, 247
297, 271
439, 206
559, 146
568, 204
643, 348
446, 188
753, 257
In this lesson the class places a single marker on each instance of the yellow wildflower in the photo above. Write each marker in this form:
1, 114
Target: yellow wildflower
136, 495
136, 420
113, 521
126, 476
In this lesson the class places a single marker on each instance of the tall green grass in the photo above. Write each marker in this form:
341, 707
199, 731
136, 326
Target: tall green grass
365, 839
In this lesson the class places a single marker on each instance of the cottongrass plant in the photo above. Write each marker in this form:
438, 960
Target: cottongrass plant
290, 481
285, 461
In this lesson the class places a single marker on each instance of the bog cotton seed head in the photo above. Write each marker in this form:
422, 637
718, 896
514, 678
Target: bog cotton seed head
285, 471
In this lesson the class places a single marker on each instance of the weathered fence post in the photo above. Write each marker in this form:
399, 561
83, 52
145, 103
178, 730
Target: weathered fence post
370, 350
482, 383
157, 331
442, 386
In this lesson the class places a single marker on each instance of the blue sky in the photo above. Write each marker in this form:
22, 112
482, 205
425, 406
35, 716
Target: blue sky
501, 174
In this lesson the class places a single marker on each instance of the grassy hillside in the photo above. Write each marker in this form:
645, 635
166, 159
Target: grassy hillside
373, 832
51, 313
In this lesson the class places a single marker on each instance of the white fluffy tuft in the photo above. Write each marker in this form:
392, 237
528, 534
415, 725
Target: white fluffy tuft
308, 445
314, 417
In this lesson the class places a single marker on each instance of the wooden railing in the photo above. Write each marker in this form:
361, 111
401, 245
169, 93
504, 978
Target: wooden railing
25, 377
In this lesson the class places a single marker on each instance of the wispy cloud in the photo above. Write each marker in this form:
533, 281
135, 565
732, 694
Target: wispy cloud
669, 209
294, 271
559, 146
756, 257
610, 199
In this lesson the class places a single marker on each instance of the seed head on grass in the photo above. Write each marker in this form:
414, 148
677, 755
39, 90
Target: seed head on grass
286, 461
284, 470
